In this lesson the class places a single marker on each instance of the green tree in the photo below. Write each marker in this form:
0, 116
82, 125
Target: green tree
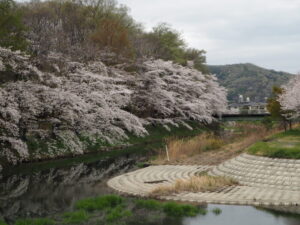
11, 27
198, 57
168, 44
274, 107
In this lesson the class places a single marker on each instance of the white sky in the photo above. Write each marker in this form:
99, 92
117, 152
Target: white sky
263, 32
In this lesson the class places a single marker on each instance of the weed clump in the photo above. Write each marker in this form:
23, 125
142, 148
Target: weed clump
174, 209
217, 211
99, 203
171, 209
75, 217
117, 213
40, 221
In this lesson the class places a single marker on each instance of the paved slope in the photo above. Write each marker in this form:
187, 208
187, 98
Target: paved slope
264, 181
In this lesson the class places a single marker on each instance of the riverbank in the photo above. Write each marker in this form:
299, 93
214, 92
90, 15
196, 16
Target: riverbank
258, 180
211, 149
23, 193
146, 146
285, 145
234, 136
261, 181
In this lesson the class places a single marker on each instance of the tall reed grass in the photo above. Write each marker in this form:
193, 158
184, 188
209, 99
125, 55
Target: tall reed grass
184, 147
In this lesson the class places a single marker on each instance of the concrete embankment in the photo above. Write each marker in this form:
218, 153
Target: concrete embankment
263, 181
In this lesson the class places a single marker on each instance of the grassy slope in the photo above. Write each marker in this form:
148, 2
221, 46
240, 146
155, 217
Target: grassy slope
248, 79
138, 145
282, 145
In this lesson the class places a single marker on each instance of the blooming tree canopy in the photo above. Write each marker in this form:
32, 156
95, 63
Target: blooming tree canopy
170, 91
290, 99
45, 113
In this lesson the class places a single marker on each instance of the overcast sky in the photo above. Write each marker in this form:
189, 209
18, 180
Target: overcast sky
263, 32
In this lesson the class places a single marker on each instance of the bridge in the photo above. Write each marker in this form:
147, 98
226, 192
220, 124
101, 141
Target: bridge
243, 117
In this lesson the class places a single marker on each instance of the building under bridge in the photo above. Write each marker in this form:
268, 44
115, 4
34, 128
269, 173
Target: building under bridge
247, 107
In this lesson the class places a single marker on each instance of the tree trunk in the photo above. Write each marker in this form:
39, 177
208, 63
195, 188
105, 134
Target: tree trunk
284, 124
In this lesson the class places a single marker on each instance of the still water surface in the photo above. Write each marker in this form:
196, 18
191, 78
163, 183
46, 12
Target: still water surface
243, 215
46, 192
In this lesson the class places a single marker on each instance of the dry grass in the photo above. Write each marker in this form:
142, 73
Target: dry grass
194, 184
198, 149
181, 148
252, 134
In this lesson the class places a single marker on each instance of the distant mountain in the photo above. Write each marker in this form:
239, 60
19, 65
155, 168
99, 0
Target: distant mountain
248, 80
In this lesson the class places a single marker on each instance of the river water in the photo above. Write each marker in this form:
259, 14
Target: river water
50, 191
46, 192
244, 215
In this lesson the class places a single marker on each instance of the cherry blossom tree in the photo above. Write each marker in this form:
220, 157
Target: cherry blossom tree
290, 99
85, 102
170, 91
71, 105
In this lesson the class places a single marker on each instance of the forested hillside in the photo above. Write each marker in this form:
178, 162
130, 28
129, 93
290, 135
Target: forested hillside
90, 29
248, 80
77, 75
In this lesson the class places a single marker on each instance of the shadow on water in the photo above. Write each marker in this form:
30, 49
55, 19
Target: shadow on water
247, 215
231, 215
46, 192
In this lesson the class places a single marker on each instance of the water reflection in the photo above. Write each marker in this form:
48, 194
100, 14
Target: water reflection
157, 221
55, 190
243, 215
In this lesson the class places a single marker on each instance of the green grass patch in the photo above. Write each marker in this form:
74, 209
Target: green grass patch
142, 164
40, 221
99, 203
174, 209
77, 217
149, 204
289, 133
171, 209
93, 144
117, 213
113, 209
2, 222
273, 151
282, 145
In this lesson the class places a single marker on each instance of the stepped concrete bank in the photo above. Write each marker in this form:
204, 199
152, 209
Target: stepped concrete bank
263, 181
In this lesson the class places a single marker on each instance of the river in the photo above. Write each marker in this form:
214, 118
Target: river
39, 193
